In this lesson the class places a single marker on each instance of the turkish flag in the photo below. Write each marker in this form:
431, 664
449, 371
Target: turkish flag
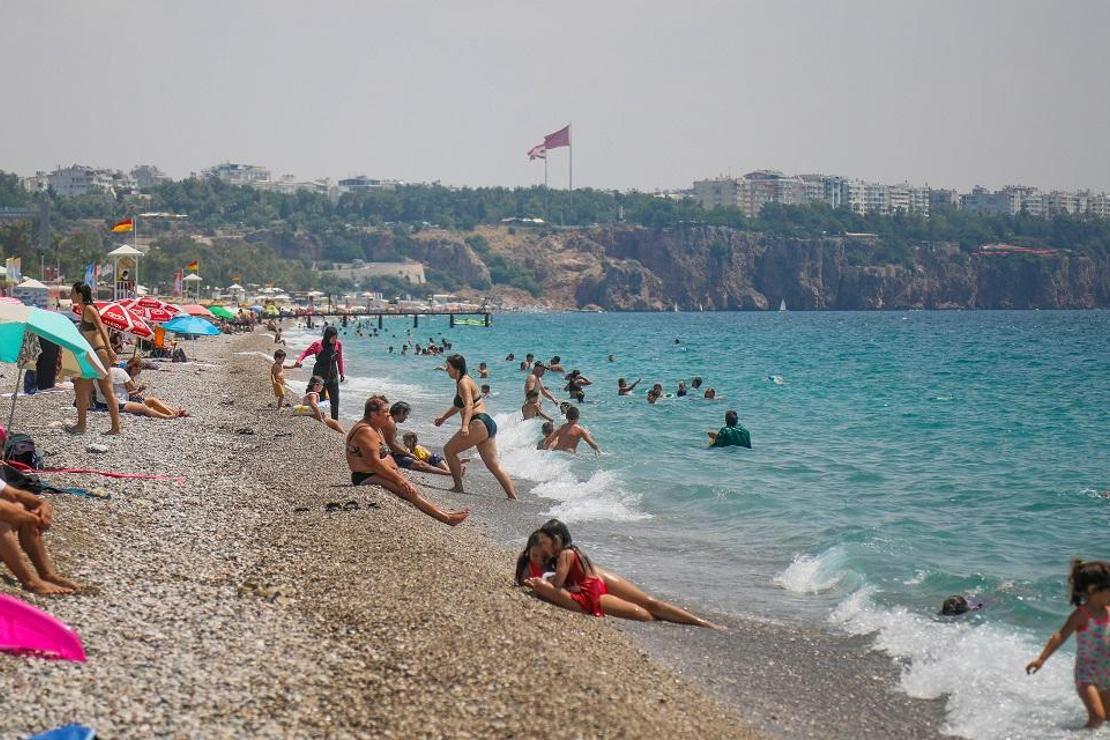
557, 139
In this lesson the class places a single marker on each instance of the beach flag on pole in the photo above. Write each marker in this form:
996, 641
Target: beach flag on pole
194, 266
126, 225
537, 152
557, 139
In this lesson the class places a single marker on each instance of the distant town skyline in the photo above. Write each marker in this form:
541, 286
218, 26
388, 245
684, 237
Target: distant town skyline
660, 95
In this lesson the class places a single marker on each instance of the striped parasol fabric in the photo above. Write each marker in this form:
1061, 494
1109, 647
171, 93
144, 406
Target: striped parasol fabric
151, 309
121, 318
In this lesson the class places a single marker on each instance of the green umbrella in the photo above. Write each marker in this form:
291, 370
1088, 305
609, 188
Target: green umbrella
221, 311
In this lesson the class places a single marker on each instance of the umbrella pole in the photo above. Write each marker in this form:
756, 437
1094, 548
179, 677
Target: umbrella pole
11, 414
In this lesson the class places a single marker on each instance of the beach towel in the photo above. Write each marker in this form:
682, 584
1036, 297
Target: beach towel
66, 732
105, 473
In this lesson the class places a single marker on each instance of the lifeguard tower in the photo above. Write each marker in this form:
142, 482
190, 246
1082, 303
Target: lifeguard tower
125, 272
191, 283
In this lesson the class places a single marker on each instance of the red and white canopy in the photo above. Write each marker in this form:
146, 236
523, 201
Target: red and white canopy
151, 309
121, 318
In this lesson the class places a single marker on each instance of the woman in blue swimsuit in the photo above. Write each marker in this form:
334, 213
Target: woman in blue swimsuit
478, 428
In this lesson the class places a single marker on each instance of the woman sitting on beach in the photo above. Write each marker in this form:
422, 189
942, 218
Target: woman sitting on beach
579, 585
136, 393
310, 405
478, 428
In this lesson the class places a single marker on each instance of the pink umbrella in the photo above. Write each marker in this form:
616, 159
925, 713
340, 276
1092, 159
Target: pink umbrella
195, 309
151, 309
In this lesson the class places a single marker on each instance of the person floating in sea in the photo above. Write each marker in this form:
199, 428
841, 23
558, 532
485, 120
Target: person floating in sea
24, 519
310, 404
478, 428
612, 358
1090, 621
370, 463
556, 365
655, 393
486, 391
681, 390
567, 437
957, 605
534, 382
529, 359
578, 585
710, 394
576, 382
731, 434
695, 382
623, 387
532, 408
277, 378
483, 370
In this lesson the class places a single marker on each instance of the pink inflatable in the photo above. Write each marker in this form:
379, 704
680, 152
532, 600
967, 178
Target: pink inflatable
25, 629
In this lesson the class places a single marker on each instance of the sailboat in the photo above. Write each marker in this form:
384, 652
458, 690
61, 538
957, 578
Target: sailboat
782, 305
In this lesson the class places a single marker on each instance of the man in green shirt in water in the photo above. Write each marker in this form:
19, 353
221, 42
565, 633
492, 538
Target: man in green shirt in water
731, 434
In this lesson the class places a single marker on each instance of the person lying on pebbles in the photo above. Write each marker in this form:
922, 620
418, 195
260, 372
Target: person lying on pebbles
577, 584
23, 519
370, 462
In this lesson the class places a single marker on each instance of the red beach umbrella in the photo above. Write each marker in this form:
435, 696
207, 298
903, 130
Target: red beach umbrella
151, 309
121, 318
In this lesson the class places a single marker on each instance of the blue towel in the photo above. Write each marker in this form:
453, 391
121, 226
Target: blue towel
66, 732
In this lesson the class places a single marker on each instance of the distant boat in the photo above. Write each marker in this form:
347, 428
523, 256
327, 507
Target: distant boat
782, 305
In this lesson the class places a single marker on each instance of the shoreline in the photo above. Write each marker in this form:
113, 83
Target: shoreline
233, 604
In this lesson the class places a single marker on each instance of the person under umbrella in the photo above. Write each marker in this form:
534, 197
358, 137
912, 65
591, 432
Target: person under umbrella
92, 328
328, 366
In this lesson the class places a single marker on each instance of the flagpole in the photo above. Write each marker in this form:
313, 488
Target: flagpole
546, 197
570, 152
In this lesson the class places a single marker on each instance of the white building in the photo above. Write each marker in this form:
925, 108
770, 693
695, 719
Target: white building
238, 174
289, 184
79, 179
362, 183
147, 176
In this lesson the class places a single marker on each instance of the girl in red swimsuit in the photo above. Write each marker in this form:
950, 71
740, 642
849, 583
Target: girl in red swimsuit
580, 586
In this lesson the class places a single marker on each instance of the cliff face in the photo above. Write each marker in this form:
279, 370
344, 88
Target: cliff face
718, 268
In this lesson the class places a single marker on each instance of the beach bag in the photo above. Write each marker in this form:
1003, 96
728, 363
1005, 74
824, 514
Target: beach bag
179, 355
21, 449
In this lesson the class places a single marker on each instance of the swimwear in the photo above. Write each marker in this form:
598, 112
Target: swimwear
403, 461
491, 425
1092, 655
302, 410
359, 478
279, 387
589, 591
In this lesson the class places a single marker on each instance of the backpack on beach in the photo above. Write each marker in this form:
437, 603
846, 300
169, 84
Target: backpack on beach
21, 449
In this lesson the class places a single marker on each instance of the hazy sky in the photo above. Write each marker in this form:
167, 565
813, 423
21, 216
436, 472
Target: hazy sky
659, 93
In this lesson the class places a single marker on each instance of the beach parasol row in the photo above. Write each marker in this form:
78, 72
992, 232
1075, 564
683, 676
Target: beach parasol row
121, 318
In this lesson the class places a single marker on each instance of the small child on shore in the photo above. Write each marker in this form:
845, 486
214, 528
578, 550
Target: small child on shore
277, 378
1090, 594
423, 454
547, 430
310, 405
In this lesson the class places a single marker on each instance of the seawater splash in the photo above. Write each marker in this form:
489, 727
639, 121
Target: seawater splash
816, 573
580, 495
978, 667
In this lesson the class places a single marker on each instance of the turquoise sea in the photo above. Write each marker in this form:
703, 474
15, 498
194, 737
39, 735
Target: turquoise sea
898, 458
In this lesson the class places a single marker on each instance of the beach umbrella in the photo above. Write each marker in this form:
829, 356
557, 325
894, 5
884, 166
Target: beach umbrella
123, 319
195, 309
191, 325
19, 325
256, 308
222, 312
151, 309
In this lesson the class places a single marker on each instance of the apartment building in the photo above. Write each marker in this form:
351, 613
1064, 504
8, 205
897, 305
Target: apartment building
238, 174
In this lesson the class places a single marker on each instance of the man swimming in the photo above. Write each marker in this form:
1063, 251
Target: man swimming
370, 462
624, 389
567, 437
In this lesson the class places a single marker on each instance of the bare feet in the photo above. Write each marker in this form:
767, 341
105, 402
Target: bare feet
512, 496
112, 432
63, 582
46, 588
456, 517
455, 489
73, 429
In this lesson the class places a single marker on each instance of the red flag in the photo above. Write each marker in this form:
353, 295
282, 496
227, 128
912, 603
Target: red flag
557, 139
537, 152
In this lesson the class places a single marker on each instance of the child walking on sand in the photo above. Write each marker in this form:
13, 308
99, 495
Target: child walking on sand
1090, 593
277, 378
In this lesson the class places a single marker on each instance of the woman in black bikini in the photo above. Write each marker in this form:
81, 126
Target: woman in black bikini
478, 428
97, 336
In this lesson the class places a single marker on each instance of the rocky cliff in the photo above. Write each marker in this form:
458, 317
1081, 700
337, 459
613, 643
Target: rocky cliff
722, 269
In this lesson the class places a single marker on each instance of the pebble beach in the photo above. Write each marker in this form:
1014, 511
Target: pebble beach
233, 604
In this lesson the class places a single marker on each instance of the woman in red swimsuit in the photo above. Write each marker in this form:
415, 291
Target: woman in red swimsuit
580, 586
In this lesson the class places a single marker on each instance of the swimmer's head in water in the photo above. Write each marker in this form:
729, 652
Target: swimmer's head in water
731, 419
710, 393
547, 428
573, 413
528, 358
400, 410
695, 382
556, 360
485, 388
621, 382
1086, 577
523, 365
954, 606
456, 366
